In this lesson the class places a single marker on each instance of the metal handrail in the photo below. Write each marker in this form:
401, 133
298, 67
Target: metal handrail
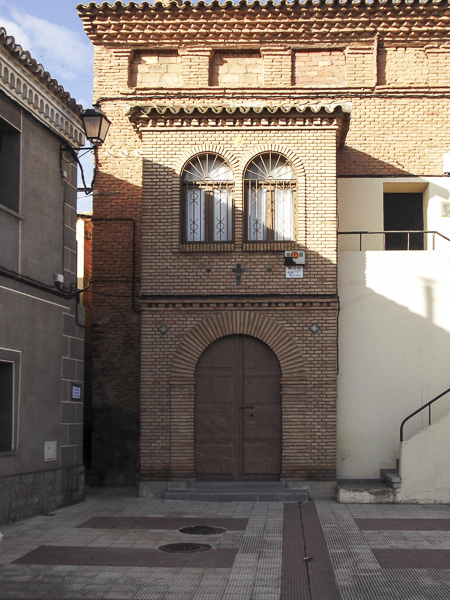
427, 405
361, 233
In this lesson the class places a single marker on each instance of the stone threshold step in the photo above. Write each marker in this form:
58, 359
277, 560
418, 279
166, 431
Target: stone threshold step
366, 494
237, 496
236, 485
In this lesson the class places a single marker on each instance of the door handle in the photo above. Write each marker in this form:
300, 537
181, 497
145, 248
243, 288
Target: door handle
244, 407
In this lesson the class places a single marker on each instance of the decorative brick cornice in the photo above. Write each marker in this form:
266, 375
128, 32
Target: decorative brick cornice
25, 81
290, 116
176, 22
239, 304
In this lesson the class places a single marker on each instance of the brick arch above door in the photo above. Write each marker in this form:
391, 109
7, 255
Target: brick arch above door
237, 322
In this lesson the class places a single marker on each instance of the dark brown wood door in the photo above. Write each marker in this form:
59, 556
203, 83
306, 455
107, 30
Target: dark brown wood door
238, 411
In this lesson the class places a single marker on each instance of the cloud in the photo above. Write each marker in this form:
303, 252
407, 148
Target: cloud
17, 32
63, 52
57, 42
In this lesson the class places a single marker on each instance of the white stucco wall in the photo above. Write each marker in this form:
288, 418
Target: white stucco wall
425, 465
360, 206
394, 330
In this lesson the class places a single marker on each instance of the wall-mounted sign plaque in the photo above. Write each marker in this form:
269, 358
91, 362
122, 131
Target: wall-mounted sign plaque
294, 272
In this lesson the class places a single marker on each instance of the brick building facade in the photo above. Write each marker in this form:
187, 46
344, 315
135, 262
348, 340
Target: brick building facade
323, 90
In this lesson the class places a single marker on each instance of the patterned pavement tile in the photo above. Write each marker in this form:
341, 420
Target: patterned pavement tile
413, 559
365, 561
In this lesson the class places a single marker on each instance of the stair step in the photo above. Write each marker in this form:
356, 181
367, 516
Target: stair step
366, 494
393, 479
237, 485
239, 495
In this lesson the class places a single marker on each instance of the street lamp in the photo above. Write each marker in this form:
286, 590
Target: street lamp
96, 125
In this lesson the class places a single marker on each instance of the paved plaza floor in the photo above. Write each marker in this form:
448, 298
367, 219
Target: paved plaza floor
109, 547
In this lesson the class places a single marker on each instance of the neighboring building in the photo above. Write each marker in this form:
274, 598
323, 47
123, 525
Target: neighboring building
85, 228
240, 132
41, 325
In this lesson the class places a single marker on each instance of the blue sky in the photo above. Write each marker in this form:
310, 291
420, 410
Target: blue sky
53, 33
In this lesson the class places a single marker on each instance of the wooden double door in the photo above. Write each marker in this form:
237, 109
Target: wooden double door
238, 411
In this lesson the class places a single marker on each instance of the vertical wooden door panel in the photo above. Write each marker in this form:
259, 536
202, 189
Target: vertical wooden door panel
262, 424
238, 411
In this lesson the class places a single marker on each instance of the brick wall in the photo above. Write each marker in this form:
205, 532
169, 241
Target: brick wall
151, 69
237, 69
407, 66
319, 68
308, 393
276, 56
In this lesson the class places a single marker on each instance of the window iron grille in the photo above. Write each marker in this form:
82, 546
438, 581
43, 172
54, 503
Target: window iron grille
207, 184
270, 184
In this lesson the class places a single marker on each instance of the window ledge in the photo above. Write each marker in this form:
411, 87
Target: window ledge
11, 212
271, 246
205, 247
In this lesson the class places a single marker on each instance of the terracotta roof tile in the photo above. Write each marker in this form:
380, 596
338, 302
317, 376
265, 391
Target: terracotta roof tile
36, 68
256, 21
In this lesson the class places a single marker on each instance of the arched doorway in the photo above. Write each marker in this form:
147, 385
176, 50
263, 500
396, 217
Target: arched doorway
238, 411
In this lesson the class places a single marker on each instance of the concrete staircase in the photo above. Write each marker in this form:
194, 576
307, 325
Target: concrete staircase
379, 492
237, 491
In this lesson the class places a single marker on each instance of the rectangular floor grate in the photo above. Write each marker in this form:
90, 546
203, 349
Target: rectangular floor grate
163, 523
412, 559
403, 524
126, 557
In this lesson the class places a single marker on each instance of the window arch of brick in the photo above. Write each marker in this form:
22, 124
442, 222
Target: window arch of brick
185, 157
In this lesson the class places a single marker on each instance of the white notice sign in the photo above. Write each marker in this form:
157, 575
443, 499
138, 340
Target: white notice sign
294, 272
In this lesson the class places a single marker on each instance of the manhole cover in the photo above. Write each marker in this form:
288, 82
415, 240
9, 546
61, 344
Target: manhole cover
202, 530
185, 548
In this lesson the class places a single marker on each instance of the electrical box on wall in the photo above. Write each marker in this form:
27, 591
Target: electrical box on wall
445, 209
50, 450
294, 257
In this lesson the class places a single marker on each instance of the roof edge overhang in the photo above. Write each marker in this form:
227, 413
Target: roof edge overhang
140, 110
119, 7
24, 58
298, 116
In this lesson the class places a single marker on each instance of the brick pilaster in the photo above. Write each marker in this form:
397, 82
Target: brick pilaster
195, 66
277, 63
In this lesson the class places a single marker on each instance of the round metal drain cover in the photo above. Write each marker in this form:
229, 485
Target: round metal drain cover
202, 530
184, 548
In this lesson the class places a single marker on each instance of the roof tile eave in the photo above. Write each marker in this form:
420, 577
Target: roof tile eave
146, 109
202, 4
38, 69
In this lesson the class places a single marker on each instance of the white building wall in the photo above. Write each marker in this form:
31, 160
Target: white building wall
394, 328
425, 460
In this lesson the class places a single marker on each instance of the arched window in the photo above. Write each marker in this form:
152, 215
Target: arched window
269, 189
207, 200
